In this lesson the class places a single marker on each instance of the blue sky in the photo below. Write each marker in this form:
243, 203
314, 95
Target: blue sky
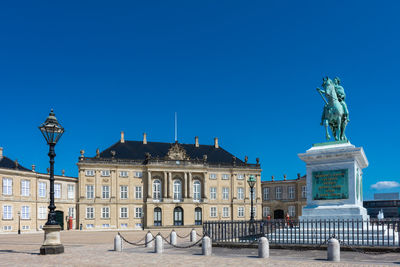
243, 71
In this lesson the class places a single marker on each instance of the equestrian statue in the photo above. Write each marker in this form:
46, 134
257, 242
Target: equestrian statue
335, 113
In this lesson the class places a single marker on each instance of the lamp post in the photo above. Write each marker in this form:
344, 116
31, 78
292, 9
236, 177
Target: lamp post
251, 181
19, 222
52, 132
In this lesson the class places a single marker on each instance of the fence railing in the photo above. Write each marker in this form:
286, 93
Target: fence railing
372, 232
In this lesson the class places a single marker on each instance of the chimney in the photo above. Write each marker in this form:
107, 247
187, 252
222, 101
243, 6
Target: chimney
144, 139
272, 178
1, 153
284, 177
216, 142
33, 167
16, 163
122, 137
196, 141
63, 172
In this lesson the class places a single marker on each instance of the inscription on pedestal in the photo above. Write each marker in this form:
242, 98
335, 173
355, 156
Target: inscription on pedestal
333, 184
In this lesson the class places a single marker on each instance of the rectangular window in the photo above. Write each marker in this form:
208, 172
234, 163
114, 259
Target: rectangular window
138, 212
71, 191
71, 212
124, 191
42, 189
213, 193
89, 191
138, 192
124, 212
89, 213
7, 186
123, 174
105, 173
7, 228
7, 212
25, 213
240, 176
25, 188
266, 193
57, 190
89, 226
292, 211
25, 227
278, 192
291, 192
254, 211
304, 191
106, 225
124, 225
89, 173
240, 193
225, 193
105, 212
225, 176
266, 211
213, 176
225, 212
42, 213
105, 192
241, 212
213, 212
138, 174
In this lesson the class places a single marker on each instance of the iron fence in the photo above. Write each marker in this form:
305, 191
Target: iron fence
371, 232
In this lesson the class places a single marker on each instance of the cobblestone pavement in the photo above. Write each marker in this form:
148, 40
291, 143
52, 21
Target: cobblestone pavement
96, 249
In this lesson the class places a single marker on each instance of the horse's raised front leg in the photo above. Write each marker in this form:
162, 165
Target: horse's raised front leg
326, 123
338, 131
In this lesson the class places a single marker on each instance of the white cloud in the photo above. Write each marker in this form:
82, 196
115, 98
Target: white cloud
385, 185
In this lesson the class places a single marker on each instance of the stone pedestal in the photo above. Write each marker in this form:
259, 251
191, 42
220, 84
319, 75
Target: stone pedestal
334, 182
52, 243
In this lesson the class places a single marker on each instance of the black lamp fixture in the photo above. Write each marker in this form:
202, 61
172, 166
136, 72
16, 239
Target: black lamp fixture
252, 182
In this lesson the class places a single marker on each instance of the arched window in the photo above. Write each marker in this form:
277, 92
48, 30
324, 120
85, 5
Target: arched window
177, 190
157, 189
157, 217
196, 190
197, 216
178, 216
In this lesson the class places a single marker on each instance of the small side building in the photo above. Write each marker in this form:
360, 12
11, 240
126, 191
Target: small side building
282, 197
389, 203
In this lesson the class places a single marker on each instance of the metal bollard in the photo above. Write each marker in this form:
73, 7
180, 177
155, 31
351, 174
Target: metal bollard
172, 237
333, 250
149, 236
158, 248
117, 243
206, 246
193, 236
263, 247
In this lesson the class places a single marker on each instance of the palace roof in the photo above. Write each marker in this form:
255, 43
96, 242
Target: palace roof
9, 164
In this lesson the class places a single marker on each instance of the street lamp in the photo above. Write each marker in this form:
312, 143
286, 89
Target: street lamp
52, 132
252, 182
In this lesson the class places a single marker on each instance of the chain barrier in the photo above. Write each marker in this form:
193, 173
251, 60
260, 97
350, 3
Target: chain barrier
137, 244
359, 250
188, 246
185, 236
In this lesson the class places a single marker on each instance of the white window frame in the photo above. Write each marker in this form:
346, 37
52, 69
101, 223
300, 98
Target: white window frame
157, 189
138, 192
123, 212
42, 212
304, 191
278, 192
90, 212
291, 192
105, 173
254, 210
71, 212
138, 174
71, 191
292, 211
7, 212
25, 188
266, 211
42, 189
225, 193
240, 193
240, 176
105, 191
25, 213
213, 193
240, 212
123, 191
89, 226
196, 190
225, 176
225, 212
266, 191
7, 186
213, 176
138, 212
213, 212
177, 184
89, 173
57, 190
105, 212
89, 191
123, 174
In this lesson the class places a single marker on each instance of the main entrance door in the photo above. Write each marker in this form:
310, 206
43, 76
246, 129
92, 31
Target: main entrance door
60, 218
279, 214
178, 216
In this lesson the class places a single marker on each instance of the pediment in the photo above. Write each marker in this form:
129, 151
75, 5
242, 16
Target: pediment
177, 152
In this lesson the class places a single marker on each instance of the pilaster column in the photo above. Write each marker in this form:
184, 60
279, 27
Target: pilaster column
185, 178
205, 185
169, 185
149, 184
165, 186
190, 186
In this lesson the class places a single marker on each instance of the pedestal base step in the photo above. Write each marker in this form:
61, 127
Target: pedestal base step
51, 249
